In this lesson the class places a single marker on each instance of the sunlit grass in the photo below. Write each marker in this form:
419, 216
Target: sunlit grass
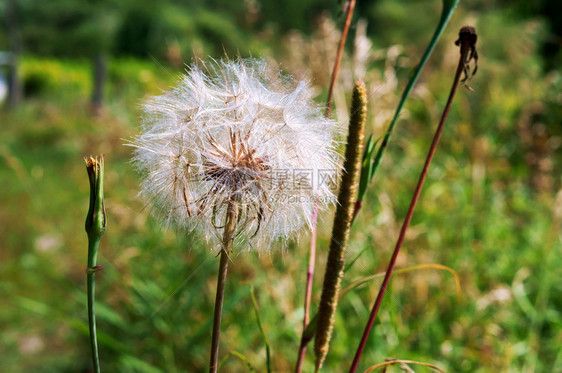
477, 215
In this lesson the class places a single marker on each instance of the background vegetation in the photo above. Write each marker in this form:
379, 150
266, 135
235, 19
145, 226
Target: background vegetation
491, 208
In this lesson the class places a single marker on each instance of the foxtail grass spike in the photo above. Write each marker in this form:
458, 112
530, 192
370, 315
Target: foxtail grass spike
96, 224
342, 224
348, 9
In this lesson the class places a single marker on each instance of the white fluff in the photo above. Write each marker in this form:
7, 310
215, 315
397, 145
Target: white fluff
234, 131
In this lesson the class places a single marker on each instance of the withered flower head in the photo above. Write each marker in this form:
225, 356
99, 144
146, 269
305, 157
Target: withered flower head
236, 132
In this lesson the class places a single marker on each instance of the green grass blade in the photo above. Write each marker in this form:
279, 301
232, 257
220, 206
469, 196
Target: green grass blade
403, 365
350, 264
366, 167
258, 319
355, 283
241, 357
311, 329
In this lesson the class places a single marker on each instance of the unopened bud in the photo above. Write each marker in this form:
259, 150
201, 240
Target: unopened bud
95, 220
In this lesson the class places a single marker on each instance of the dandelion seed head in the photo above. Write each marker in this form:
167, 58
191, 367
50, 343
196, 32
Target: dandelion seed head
235, 132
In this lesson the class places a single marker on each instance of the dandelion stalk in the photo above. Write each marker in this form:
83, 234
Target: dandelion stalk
467, 41
95, 228
342, 224
229, 230
306, 337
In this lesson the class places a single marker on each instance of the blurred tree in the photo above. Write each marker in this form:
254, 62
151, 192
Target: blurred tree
68, 28
296, 14
14, 84
133, 35
72, 28
550, 10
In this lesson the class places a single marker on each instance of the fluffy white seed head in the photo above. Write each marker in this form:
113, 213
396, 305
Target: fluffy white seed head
234, 132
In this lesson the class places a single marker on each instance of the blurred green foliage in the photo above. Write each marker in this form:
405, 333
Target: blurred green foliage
491, 209
144, 28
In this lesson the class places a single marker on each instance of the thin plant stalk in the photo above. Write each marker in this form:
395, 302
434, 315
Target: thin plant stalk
372, 166
260, 326
95, 228
308, 291
91, 289
467, 41
350, 7
228, 235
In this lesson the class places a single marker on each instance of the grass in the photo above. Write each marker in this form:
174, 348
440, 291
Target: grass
478, 215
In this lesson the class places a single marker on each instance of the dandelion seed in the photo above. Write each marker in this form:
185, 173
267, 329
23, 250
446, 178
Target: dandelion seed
236, 132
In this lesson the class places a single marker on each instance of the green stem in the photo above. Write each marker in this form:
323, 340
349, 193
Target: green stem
96, 224
91, 283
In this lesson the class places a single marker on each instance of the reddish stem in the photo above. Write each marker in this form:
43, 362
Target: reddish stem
308, 292
465, 49
350, 7
312, 254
